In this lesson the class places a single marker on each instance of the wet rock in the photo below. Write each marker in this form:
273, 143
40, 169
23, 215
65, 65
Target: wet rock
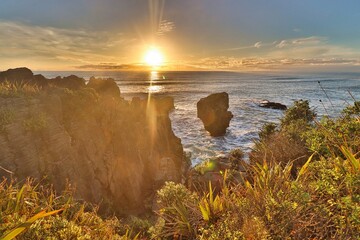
104, 87
213, 112
272, 105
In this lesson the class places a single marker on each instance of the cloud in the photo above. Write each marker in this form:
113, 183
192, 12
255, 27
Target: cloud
165, 27
282, 44
309, 40
25, 41
258, 44
111, 66
232, 63
313, 40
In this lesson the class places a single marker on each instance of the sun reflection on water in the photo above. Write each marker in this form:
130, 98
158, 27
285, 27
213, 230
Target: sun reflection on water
153, 87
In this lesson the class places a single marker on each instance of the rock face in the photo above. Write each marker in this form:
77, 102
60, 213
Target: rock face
213, 111
104, 87
114, 152
272, 105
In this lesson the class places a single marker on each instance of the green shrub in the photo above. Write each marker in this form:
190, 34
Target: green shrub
300, 111
330, 134
267, 130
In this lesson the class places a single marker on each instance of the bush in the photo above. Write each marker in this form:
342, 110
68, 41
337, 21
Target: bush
18, 203
178, 213
330, 134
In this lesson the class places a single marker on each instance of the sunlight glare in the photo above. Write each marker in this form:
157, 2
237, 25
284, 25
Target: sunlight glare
153, 57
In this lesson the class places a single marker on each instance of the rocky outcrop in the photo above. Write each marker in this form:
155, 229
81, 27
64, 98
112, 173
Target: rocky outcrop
21, 76
16, 74
213, 112
71, 82
104, 87
113, 152
272, 105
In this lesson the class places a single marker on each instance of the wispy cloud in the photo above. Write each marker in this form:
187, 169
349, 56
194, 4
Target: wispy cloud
258, 44
111, 66
19, 40
313, 40
232, 63
165, 27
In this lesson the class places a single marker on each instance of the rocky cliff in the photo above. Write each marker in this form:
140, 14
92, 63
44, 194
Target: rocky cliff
114, 152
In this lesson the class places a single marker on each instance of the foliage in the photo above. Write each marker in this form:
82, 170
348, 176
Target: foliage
285, 143
211, 206
302, 182
34, 208
330, 134
22, 89
300, 111
178, 214
236, 157
267, 130
281, 197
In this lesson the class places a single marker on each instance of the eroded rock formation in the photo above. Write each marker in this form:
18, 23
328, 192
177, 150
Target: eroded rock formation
114, 152
213, 111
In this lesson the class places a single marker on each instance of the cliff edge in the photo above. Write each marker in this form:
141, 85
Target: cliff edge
115, 152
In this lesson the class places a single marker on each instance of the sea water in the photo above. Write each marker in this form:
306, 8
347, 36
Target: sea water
328, 94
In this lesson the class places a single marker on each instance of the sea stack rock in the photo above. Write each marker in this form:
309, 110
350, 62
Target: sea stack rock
213, 112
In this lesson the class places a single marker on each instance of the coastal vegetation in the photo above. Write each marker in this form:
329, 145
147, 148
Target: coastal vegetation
301, 181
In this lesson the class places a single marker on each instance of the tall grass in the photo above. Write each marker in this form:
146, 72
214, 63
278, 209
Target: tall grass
31, 210
18, 89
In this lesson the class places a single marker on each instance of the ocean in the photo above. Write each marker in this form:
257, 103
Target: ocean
328, 94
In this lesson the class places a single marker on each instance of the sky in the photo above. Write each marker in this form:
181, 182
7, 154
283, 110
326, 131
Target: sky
244, 35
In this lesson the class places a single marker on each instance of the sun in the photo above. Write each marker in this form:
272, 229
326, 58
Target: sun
153, 57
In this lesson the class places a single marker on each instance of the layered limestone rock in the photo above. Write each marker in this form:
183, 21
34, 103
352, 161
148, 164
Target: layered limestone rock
213, 111
114, 152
